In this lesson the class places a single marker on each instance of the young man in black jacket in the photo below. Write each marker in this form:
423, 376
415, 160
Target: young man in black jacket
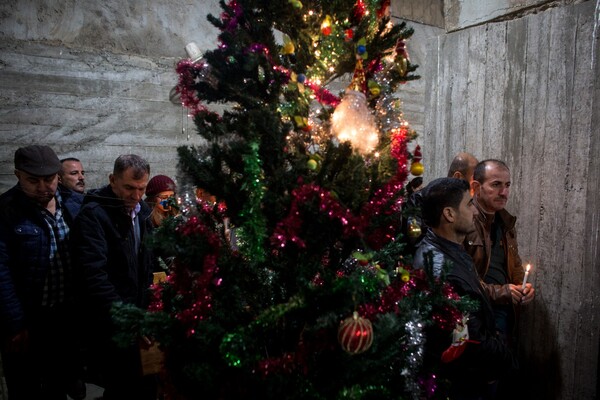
116, 267
448, 211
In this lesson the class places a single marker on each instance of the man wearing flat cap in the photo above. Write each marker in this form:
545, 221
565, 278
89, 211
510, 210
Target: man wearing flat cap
36, 279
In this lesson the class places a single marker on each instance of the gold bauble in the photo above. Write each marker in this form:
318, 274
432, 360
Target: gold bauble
417, 168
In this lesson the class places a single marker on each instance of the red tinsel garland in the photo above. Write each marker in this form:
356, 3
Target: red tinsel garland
388, 302
188, 71
194, 287
388, 200
287, 230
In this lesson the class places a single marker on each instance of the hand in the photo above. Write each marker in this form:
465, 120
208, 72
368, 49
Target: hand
516, 293
528, 293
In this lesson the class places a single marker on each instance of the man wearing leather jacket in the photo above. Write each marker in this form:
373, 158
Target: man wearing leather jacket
493, 245
449, 212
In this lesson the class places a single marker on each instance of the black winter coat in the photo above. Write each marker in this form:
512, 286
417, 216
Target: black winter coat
104, 251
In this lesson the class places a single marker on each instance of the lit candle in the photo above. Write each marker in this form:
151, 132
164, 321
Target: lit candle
526, 275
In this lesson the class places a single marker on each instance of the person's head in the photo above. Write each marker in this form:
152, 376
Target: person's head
414, 185
72, 175
491, 184
462, 167
129, 179
447, 204
36, 168
160, 188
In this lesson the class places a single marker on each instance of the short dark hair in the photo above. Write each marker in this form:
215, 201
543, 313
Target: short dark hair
479, 171
69, 159
439, 194
138, 164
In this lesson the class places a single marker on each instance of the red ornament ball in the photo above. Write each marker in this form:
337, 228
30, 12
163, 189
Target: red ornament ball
355, 334
348, 35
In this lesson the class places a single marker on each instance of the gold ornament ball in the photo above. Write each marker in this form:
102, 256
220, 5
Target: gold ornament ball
402, 65
414, 228
311, 164
417, 169
288, 48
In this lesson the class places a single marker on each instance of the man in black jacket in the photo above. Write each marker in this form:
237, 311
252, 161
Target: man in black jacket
108, 248
37, 338
448, 211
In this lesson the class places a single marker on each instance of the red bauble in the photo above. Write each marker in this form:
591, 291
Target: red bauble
355, 334
348, 35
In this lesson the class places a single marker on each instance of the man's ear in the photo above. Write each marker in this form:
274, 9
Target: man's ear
448, 214
475, 187
111, 179
458, 175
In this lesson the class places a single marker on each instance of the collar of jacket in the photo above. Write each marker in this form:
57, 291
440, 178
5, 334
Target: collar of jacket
449, 248
507, 220
66, 193
464, 268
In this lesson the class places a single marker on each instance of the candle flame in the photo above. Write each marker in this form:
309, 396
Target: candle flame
527, 268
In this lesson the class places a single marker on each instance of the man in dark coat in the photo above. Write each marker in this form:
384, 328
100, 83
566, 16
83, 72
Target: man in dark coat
116, 267
38, 341
448, 211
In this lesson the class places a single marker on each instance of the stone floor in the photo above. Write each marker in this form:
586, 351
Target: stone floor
93, 392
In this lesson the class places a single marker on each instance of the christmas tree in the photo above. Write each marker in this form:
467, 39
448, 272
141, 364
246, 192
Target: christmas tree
296, 283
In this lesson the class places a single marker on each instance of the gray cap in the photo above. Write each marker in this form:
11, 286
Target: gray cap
37, 160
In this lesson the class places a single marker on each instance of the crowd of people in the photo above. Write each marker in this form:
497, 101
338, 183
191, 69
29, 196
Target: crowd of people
67, 254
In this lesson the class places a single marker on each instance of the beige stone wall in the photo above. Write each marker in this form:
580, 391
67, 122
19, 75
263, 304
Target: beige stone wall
92, 80
423, 12
460, 14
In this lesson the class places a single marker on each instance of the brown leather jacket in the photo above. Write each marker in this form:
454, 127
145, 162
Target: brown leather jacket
479, 245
